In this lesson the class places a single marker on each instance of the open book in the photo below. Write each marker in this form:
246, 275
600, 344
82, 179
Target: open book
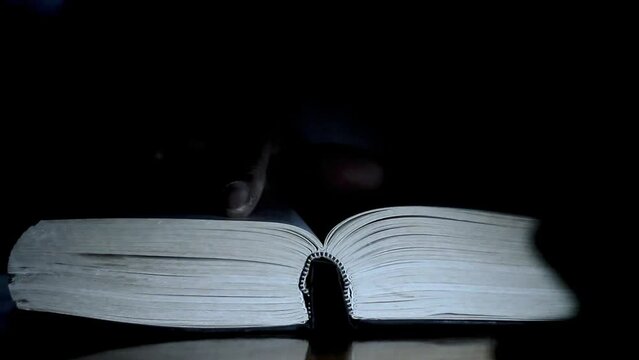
403, 263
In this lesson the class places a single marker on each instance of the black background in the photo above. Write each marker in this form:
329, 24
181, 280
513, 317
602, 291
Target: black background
114, 109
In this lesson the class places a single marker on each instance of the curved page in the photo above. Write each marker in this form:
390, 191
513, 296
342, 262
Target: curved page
170, 272
423, 263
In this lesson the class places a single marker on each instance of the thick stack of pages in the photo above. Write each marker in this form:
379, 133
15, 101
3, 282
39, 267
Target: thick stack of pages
403, 263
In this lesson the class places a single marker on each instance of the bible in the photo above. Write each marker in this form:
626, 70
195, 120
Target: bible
399, 263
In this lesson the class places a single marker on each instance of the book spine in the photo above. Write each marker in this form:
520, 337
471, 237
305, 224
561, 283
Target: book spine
346, 283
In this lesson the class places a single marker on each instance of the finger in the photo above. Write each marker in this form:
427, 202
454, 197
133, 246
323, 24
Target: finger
242, 196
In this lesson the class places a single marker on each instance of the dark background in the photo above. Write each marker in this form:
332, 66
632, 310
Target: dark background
114, 109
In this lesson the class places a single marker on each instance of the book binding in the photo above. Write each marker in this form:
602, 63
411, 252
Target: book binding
346, 283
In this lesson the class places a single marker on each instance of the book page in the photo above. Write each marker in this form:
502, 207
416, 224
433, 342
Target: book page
168, 272
280, 214
427, 263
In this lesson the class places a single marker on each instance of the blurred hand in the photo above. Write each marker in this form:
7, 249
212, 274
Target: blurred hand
340, 171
